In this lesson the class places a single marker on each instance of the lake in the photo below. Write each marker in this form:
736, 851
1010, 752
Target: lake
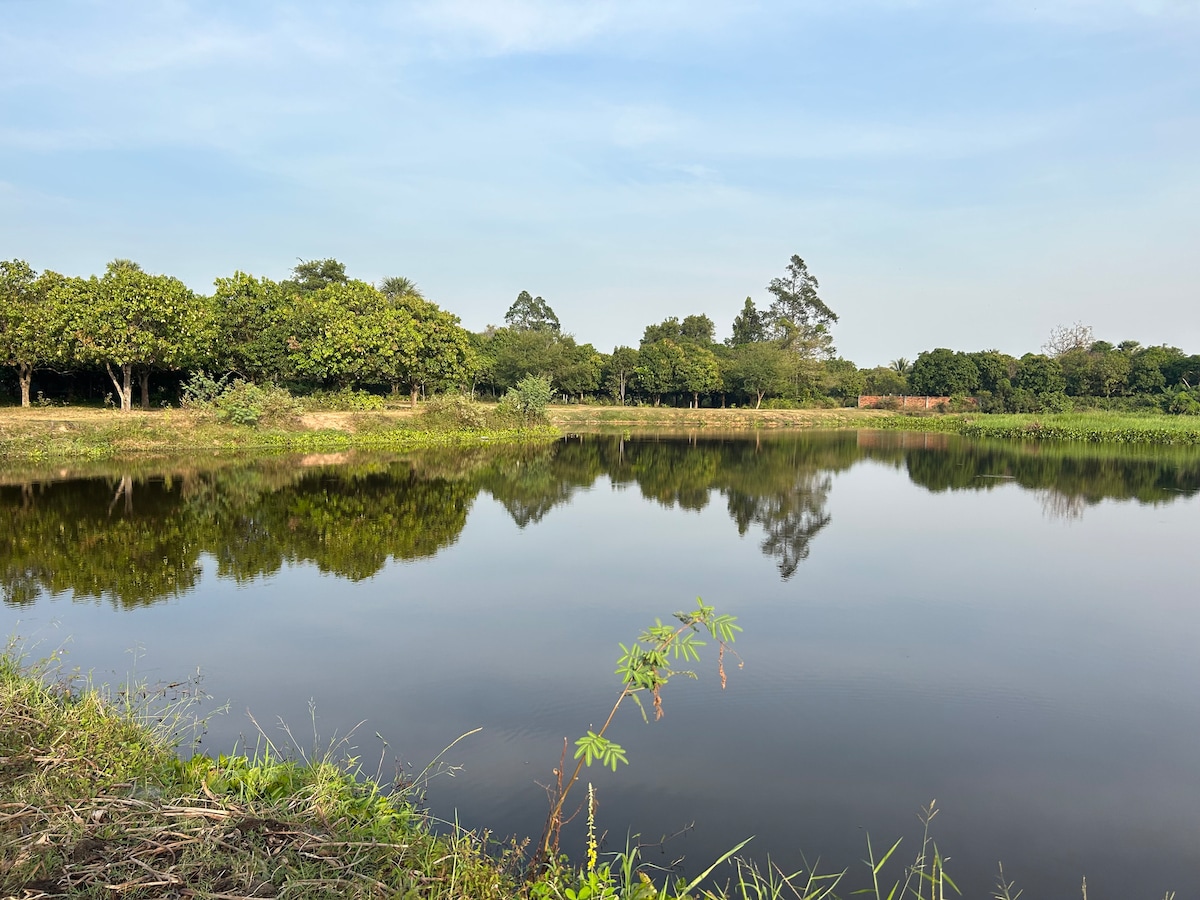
1011, 629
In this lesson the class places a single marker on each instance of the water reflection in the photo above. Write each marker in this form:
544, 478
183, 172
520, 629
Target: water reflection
136, 537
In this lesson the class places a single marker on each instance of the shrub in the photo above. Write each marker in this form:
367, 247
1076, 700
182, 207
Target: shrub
240, 402
344, 400
454, 411
527, 401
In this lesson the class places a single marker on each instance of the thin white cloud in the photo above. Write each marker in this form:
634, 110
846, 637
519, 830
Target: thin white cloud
497, 27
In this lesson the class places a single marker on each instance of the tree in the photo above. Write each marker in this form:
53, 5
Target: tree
313, 274
334, 332
1065, 338
796, 301
658, 368
1040, 375
760, 368
842, 379
748, 326
253, 327
580, 370
943, 372
884, 381
30, 322
531, 314
669, 329
698, 372
618, 369
130, 320
397, 287
697, 329
995, 369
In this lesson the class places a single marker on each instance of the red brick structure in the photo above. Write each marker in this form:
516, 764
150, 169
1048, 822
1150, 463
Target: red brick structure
891, 401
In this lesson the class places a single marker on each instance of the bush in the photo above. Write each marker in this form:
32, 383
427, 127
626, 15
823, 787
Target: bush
454, 411
240, 402
527, 401
344, 400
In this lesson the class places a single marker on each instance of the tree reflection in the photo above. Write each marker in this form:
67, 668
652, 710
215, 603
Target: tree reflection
137, 536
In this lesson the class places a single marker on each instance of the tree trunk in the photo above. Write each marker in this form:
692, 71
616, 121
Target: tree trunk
760, 396
124, 386
695, 400
412, 397
622, 388
25, 376
144, 376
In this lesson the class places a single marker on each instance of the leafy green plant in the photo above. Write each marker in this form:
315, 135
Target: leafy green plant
344, 400
454, 411
645, 667
527, 401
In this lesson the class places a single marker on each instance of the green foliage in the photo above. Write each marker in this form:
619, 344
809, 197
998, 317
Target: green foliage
532, 314
645, 667
528, 399
796, 301
240, 402
455, 411
130, 319
344, 400
943, 373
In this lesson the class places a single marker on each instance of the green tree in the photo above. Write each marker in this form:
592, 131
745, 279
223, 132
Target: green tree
31, 324
397, 287
329, 330
313, 274
619, 367
698, 372
748, 326
697, 329
761, 368
669, 329
796, 301
884, 381
942, 372
253, 328
1040, 375
842, 379
579, 373
1110, 369
531, 314
131, 321
658, 368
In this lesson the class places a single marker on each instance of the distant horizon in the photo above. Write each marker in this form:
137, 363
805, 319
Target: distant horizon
956, 175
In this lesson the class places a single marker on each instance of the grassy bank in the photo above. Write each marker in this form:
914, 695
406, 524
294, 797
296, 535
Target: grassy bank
68, 433
1089, 427
569, 417
95, 802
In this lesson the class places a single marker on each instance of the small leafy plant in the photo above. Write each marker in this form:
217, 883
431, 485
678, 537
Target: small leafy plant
645, 667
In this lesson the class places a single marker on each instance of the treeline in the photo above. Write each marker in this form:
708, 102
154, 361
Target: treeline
103, 336
321, 330
1074, 370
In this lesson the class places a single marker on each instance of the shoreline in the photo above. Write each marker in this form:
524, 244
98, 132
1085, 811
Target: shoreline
54, 434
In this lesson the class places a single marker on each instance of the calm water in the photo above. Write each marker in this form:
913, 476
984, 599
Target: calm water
1014, 631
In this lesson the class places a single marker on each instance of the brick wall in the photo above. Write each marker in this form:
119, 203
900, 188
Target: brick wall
867, 401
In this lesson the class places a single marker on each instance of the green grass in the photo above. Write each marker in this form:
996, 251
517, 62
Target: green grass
95, 802
1087, 427
123, 436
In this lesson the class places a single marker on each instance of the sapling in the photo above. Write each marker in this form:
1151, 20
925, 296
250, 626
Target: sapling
645, 667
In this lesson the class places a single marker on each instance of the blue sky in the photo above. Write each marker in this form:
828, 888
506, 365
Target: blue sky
962, 173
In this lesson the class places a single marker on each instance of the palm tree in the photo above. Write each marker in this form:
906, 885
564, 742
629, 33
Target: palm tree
397, 287
900, 366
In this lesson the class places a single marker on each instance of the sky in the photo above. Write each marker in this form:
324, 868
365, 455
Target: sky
956, 173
